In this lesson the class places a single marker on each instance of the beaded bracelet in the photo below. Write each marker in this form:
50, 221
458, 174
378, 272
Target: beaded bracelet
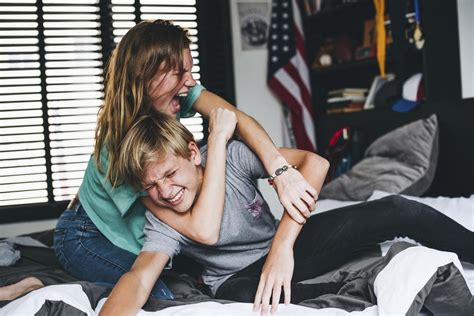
278, 172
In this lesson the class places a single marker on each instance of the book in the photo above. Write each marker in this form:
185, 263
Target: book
344, 107
355, 98
348, 91
343, 110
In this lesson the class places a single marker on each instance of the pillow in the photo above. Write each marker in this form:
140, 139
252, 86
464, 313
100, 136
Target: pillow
401, 161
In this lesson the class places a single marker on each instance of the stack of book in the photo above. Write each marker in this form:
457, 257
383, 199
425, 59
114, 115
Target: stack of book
346, 100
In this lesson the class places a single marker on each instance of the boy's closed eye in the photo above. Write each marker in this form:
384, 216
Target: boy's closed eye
170, 175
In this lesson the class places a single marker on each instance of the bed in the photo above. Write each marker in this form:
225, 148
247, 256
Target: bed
403, 276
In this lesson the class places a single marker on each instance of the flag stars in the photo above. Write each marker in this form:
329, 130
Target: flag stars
286, 48
274, 59
285, 26
285, 4
274, 36
274, 26
285, 37
274, 47
285, 15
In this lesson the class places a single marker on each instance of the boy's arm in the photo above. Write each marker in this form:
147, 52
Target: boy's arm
134, 287
291, 186
278, 268
203, 222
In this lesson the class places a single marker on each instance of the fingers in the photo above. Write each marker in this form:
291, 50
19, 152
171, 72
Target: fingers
287, 291
275, 297
294, 213
222, 121
302, 207
309, 201
312, 191
258, 295
267, 293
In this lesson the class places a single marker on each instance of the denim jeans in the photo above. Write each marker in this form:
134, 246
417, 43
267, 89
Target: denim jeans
85, 253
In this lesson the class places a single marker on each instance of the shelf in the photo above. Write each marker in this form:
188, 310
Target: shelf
372, 62
342, 8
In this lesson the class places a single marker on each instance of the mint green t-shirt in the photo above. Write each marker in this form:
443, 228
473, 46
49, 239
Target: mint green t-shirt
117, 212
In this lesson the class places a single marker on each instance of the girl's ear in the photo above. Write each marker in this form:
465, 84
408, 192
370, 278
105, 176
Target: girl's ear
195, 154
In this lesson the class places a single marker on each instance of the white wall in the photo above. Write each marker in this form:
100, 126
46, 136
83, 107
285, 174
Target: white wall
253, 96
466, 46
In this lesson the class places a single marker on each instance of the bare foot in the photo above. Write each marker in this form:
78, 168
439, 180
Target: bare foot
12, 291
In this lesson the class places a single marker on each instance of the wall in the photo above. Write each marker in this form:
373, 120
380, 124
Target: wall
252, 94
466, 42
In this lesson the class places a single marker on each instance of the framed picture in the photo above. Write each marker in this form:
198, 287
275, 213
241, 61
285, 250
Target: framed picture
254, 21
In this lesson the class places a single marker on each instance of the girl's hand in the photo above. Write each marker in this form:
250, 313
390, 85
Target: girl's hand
296, 195
277, 273
222, 122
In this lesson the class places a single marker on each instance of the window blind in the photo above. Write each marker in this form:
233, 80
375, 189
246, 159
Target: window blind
51, 87
23, 153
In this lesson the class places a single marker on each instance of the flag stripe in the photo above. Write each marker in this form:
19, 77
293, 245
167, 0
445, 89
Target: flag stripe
301, 137
288, 74
296, 74
291, 91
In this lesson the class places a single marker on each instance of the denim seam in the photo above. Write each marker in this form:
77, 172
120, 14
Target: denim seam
60, 249
96, 254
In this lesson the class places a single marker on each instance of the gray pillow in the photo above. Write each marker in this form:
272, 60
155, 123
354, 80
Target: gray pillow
401, 161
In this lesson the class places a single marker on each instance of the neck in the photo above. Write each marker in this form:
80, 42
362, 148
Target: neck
200, 175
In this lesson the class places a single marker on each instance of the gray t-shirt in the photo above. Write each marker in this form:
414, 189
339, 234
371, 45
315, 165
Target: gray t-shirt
247, 226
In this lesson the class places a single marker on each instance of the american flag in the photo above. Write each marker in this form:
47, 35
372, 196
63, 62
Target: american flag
288, 74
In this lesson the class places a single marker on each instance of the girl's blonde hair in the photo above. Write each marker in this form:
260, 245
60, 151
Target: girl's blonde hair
151, 139
145, 49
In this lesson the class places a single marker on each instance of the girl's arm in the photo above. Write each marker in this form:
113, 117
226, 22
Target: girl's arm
202, 223
278, 268
291, 187
134, 287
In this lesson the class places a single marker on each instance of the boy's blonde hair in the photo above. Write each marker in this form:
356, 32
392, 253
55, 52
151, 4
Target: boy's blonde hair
146, 48
151, 139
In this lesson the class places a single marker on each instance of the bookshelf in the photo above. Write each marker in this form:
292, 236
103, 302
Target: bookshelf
349, 21
439, 62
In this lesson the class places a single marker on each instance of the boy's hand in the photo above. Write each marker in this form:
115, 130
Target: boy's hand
296, 195
222, 122
277, 273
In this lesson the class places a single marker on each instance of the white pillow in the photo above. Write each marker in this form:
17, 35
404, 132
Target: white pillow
460, 209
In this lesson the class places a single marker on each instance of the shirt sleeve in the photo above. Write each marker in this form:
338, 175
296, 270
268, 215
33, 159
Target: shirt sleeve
187, 104
244, 160
160, 237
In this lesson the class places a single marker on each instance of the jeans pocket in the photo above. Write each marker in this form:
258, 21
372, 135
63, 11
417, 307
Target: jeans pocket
59, 238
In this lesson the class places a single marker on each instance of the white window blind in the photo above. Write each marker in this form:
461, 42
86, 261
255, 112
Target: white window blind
22, 142
74, 88
51, 87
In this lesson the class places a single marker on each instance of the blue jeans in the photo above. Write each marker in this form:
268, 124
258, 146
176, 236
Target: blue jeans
85, 253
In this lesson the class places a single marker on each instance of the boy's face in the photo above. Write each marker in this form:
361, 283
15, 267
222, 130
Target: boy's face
174, 182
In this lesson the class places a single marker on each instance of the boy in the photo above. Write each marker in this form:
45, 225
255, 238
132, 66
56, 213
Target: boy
160, 156
244, 255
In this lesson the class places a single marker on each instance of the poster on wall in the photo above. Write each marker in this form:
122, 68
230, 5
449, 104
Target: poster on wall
253, 18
